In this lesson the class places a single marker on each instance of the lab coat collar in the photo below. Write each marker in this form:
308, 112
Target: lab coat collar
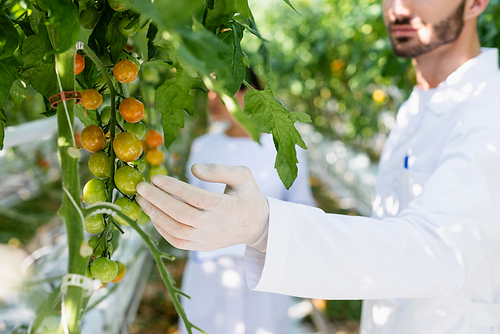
461, 84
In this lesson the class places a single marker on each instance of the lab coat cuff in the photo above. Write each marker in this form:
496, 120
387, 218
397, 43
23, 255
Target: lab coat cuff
265, 270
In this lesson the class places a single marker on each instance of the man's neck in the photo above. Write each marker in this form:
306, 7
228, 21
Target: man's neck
434, 67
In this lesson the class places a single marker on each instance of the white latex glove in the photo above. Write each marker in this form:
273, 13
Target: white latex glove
205, 220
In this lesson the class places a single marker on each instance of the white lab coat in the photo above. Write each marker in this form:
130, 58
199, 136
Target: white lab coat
221, 301
428, 261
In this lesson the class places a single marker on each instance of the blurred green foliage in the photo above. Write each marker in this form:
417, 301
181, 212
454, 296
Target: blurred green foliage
335, 62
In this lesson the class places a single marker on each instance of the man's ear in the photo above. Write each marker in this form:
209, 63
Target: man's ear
474, 8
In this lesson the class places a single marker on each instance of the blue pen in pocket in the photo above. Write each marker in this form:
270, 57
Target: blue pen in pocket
406, 161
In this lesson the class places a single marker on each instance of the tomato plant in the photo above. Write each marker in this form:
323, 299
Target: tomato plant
180, 44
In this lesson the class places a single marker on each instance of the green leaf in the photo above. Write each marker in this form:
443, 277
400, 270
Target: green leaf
168, 14
242, 7
97, 39
18, 91
8, 75
220, 14
233, 58
151, 35
44, 79
63, 17
274, 118
171, 99
114, 37
91, 118
290, 4
9, 37
24, 23
3, 121
200, 49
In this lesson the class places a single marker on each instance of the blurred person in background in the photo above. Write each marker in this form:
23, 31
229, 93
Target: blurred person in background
221, 301
428, 260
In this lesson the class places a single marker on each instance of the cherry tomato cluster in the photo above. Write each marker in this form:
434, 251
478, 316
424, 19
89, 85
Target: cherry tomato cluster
117, 164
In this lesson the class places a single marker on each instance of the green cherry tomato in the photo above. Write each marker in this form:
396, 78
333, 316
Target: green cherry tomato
98, 251
127, 178
94, 191
94, 224
144, 219
122, 27
129, 208
89, 18
138, 129
100, 165
104, 269
141, 166
105, 115
120, 5
157, 170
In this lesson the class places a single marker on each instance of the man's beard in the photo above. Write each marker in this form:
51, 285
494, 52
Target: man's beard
446, 31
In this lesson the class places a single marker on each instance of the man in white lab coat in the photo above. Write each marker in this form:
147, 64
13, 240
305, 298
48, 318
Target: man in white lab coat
428, 261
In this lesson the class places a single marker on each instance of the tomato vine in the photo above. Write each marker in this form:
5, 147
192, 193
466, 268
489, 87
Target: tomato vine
60, 46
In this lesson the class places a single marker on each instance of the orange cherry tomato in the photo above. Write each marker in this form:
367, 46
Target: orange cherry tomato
79, 63
125, 71
91, 99
127, 147
121, 272
153, 138
92, 138
131, 109
155, 157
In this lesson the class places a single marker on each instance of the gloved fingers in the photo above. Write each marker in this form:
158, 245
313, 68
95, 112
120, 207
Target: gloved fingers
177, 243
172, 207
174, 230
192, 195
234, 176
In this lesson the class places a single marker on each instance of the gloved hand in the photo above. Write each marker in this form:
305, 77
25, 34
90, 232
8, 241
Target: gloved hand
198, 219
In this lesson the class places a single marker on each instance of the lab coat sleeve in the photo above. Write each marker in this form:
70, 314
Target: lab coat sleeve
300, 191
432, 247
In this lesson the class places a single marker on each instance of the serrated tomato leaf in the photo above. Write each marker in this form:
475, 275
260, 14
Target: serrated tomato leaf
172, 98
8, 75
233, 58
63, 17
273, 117
9, 37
